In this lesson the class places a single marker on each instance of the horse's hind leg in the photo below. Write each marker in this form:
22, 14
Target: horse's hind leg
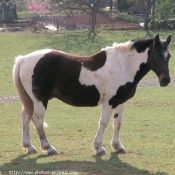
38, 120
26, 142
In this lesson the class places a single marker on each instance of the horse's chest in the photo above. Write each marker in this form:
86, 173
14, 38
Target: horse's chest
123, 93
97, 78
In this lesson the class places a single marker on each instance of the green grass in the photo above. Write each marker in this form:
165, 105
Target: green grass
148, 125
147, 133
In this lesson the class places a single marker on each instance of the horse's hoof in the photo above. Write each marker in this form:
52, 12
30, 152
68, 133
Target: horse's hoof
33, 151
102, 153
52, 153
118, 148
121, 151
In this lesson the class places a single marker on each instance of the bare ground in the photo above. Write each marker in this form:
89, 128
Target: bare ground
152, 82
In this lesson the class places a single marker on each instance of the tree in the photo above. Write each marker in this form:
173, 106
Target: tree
165, 9
91, 7
119, 2
158, 12
111, 4
95, 8
8, 10
148, 9
37, 6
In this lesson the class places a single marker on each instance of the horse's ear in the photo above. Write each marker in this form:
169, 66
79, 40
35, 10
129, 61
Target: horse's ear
168, 40
156, 40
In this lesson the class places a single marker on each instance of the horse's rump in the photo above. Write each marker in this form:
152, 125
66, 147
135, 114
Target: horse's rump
26, 100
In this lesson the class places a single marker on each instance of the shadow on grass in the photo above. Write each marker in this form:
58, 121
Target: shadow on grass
148, 34
91, 36
97, 167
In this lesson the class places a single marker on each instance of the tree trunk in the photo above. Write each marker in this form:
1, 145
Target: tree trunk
119, 5
8, 13
153, 12
111, 4
93, 20
95, 10
148, 4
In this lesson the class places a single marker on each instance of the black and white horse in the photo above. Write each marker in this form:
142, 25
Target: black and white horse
109, 77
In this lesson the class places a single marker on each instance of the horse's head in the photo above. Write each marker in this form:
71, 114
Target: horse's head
158, 58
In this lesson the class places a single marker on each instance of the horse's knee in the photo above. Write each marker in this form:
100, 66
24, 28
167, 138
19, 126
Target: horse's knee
103, 123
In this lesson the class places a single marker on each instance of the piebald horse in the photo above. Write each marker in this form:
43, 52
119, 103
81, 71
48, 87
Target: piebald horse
108, 78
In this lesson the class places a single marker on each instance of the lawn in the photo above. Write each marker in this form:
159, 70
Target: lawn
148, 124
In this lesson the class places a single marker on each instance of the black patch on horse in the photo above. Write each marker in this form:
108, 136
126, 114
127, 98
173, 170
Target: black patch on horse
97, 61
127, 91
142, 45
115, 115
57, 75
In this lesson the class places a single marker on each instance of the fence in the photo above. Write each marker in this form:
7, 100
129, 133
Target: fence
69, 23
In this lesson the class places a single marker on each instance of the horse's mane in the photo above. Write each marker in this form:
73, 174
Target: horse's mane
120, 46
140, 45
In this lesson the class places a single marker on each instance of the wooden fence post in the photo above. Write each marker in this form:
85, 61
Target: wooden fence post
46, 18
57, 24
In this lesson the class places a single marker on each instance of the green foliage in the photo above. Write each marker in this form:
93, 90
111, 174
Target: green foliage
126, 17
125, 5
164, 9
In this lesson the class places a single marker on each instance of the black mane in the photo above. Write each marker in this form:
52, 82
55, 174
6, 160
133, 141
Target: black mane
142, 44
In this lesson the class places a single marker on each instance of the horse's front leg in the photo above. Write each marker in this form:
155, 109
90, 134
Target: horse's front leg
105, 116
116, 145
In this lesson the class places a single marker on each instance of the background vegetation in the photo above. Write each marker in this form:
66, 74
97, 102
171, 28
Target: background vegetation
155, 14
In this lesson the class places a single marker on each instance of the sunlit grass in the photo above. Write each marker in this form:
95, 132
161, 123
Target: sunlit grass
147, 134
148, 125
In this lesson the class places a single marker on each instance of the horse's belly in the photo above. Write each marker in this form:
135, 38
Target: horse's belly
79, 95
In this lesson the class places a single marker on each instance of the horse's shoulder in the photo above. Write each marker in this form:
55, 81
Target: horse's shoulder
95, 61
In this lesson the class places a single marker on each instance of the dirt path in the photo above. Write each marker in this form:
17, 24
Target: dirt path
153, 82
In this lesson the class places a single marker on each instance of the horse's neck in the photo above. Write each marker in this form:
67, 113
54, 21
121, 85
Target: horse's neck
133, 65
139, 65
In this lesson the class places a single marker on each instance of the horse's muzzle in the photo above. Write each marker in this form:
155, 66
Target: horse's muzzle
164, 80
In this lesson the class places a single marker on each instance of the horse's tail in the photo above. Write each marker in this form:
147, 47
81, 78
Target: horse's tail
25, 98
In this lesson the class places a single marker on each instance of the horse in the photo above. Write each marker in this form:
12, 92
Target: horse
108, 78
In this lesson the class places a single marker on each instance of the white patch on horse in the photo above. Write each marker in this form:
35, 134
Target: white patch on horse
113, 74
123, 46
26, 69
165, 54
119, 46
